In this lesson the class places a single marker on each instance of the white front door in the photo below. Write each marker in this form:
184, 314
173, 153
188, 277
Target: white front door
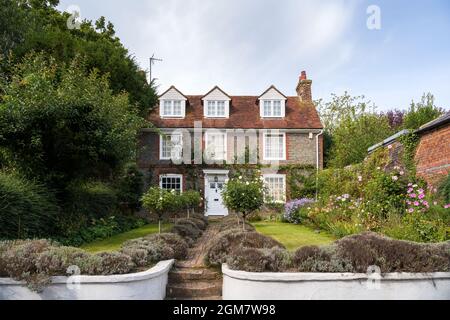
214, 184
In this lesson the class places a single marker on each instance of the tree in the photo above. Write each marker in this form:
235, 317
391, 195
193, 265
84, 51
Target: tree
58, 124
244, 195
190, 200
37, 26
351, 127
421, 112
160, 202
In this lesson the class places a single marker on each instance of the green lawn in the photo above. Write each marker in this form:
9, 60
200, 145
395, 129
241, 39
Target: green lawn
292, 236
114, 243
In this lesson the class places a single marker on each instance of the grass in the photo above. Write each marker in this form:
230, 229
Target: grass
113, 243
293, 236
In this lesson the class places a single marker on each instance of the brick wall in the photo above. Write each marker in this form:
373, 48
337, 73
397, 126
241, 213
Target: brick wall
433, 155
300, 149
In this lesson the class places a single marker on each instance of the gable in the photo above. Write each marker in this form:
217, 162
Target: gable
216, 94
172, 94
272, 94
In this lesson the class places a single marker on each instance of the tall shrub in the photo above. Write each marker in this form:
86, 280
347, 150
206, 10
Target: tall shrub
244, 195
27, 209
160, 202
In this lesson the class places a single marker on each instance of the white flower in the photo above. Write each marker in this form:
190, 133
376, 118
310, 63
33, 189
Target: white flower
401, 173
240, 177
359, 178
394, 178
247, 183
390, 146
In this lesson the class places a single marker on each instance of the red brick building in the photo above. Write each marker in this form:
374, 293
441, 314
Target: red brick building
432, 157
433, 152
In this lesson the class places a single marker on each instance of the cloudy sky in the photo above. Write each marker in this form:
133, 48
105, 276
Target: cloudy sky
245, 46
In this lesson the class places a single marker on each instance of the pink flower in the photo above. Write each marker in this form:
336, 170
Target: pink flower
408, 202
411, 210
425, 203
420, 191
390, 146
410, 190
421, 196
416, 203
412, 195
409, 184
447, 206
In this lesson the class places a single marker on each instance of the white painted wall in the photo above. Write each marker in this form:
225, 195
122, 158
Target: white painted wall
241, 285
147, 285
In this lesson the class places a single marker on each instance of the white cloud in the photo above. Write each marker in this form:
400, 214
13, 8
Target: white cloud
243, 46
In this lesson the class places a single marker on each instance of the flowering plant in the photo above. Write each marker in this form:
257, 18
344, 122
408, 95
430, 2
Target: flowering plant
416, 199
244, 195
291, 209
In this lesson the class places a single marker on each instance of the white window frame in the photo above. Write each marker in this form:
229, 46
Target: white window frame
171, 102
161, 141
225, 144
271, 104
170, 175
270, 176
264, 145
215, 107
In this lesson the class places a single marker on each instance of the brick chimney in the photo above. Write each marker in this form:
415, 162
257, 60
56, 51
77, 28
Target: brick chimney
304, 88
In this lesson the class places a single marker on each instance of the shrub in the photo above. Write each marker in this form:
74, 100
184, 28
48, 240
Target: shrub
244, 195
154, 248
189, 231
226, 242
130, 188
92, 199
190, 200
259, 260
27, 209
292, 208
200, 224
391, 255
232, 222
324, 259
160, 202
114, 263
444, 189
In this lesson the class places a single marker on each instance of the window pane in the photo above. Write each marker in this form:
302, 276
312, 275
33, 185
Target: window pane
275, 186
267, 108
177, 108
277, 108
167, 108
211, 108
171, 183
165, 147
221, 108
274, 146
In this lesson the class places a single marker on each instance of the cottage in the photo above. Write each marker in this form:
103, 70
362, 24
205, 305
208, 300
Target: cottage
199, 139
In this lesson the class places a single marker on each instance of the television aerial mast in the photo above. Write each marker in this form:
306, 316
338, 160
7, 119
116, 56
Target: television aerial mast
152, 61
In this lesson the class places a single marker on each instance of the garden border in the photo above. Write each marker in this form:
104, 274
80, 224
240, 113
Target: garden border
147, 285
330, 286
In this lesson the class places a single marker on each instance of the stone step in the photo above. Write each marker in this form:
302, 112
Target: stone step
183, 274
194, 289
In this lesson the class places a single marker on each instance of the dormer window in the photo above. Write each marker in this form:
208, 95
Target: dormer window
272, 108
216, 104
272, 103
215, 108
172, 104
172, 108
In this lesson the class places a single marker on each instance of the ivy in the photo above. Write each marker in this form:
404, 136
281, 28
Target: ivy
409, 142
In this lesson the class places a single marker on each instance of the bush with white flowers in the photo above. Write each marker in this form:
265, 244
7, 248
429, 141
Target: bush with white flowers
244, 195
160, 202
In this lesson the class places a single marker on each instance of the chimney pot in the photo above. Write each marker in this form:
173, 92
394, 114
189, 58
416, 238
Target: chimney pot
303, 75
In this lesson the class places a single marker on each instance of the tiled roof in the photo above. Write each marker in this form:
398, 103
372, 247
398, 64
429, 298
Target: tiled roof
244, 114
